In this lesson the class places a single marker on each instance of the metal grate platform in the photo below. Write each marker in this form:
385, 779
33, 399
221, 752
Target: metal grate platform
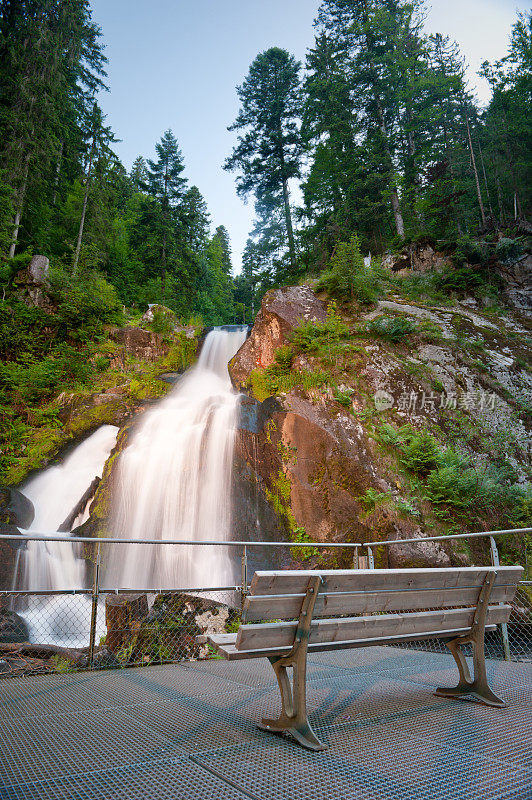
189, 732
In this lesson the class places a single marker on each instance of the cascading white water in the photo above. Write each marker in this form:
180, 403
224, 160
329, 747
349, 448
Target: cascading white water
54, 493
173, 480
58, 565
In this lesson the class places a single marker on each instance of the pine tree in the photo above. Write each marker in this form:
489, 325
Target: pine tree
166, 185
268, 153
139, 174
194, 219
223, 237
99, 137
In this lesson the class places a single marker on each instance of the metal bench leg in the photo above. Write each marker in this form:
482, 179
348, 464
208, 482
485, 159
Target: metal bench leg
293, 718
478, 688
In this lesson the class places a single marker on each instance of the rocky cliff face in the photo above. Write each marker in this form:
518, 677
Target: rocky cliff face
330, 455
281, 311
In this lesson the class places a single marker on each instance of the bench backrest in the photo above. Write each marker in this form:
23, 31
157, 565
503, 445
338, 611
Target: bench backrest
452, 593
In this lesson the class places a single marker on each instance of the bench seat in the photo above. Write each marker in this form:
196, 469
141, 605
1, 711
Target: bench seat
372, 607
224, 643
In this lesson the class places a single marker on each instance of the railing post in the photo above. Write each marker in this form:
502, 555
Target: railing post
371, 560
355, 557
504, 627
94, 609
244, 579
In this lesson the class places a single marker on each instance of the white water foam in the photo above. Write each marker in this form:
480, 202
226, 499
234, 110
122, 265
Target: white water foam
174, 480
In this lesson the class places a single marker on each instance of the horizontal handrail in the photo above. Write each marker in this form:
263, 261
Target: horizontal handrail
125, 590
424, 539
194, 543
38, 537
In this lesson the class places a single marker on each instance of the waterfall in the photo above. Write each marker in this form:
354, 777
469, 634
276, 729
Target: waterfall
58, 565
174, 480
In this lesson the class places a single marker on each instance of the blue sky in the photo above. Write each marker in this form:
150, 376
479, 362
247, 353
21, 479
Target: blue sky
176, 63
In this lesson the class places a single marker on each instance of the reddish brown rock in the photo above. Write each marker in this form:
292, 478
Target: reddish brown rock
281, 311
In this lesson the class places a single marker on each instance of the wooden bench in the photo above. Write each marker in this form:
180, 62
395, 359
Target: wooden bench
379, 607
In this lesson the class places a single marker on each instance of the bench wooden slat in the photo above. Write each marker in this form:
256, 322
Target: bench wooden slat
296, 581
228, 650
281, 634
260, 607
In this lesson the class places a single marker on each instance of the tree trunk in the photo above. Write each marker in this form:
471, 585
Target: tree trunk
83, 214
20, 205
477, 182
289, 228
163, 267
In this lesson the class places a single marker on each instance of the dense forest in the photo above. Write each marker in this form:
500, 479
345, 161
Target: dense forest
378, 129
374, 144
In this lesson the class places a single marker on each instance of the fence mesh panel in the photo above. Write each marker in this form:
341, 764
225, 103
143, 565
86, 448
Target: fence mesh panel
80, 629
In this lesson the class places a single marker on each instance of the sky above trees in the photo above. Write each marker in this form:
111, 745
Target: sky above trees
175, 64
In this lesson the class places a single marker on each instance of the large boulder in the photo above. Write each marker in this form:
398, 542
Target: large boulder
282, 310
13, 627
15, 511
32, 284
140, 343
15, 508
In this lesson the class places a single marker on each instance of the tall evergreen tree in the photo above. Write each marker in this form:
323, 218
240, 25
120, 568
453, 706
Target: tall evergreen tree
98, 138
222, 235
139, 174
268, 153
166, 185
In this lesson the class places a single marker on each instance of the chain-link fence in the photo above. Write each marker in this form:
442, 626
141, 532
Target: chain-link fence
74, 628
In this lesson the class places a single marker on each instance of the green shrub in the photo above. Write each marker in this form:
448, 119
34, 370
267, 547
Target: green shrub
163, 321
509, 250
309, 337
284, 357
469, 251
348, 277
420, 453
392, 328
344, 397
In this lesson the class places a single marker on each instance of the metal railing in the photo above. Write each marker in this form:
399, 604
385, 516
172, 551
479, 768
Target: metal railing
149, 624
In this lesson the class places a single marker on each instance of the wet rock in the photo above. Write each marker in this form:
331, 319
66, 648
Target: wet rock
8, 556
281, 311
104, 658
518, 279
15, 508
169, 631
13, 628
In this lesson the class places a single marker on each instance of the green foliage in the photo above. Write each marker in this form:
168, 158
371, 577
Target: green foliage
300, 536
163, 322
344, 397
310, 337
347, 276
420, 453
509, 250
393, 329
453, 484
371, 499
